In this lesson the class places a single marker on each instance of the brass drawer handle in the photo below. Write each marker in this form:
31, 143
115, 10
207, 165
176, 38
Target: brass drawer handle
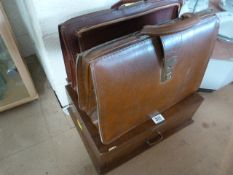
154, 141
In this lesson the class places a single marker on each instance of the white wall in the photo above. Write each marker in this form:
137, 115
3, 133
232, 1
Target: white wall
53, 12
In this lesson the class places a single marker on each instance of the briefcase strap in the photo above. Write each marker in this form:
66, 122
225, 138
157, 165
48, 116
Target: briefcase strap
169, 36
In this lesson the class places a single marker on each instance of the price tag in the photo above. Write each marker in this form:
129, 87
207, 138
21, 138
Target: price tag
158, 119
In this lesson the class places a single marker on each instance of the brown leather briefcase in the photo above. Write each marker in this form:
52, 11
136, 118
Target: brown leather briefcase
133, 80
127, 81
84, 32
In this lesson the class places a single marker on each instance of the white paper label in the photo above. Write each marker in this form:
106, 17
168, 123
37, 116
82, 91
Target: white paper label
158, 119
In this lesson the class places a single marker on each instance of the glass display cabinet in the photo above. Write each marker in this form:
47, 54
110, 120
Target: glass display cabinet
16, 86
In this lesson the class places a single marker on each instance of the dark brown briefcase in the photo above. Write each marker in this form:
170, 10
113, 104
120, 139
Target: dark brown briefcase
135, 90
84, 32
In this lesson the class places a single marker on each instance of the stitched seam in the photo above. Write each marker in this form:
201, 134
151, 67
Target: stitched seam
95, 84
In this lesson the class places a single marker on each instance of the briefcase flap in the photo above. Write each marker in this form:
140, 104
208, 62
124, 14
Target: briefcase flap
129, 84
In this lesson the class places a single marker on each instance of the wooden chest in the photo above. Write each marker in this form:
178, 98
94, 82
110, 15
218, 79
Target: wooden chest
141, 138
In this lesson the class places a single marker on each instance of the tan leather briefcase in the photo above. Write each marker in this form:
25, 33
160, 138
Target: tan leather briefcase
127, 81
84, 32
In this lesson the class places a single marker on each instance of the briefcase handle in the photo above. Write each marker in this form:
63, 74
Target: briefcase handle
122, 2
169, 28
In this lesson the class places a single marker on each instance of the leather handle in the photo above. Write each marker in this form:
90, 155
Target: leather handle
122, 2
168, 28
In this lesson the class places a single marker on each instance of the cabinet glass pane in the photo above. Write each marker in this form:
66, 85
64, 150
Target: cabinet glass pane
12, 87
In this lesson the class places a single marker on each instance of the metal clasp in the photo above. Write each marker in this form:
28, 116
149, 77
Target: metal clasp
167, 70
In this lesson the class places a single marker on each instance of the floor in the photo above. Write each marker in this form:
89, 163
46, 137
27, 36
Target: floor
38, 139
